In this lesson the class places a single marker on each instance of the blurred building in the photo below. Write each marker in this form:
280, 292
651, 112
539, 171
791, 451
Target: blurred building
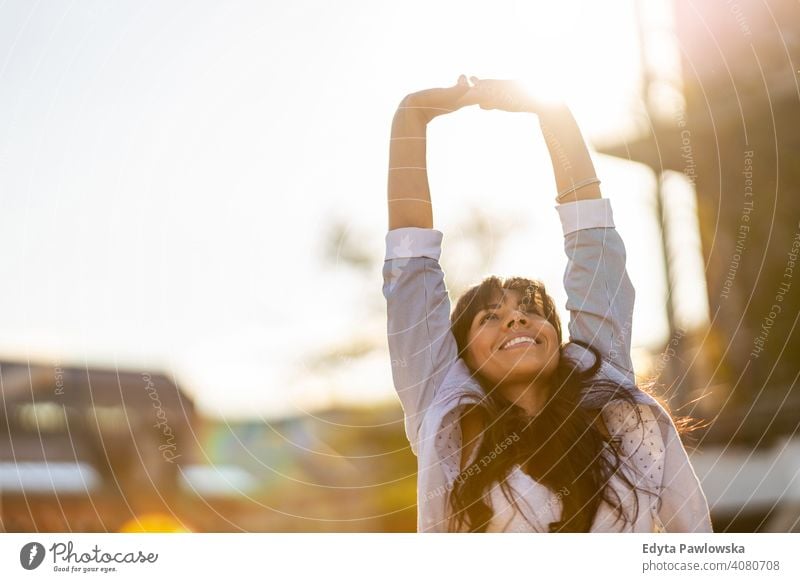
77, 437
94, 450
728, 123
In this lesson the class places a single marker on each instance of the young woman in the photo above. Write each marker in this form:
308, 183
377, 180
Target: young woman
514, 430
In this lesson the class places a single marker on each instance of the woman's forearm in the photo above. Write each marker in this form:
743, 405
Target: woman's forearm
409, 193
568, 153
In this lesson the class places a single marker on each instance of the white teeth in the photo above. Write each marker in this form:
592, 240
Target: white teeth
519, 340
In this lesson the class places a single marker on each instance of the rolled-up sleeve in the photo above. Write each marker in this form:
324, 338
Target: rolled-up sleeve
421, 345
600, 295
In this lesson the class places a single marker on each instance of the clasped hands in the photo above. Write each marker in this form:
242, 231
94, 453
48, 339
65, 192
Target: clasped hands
506, 95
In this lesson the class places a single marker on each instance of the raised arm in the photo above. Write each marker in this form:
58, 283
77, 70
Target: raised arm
421, 346
600, 295
409, 193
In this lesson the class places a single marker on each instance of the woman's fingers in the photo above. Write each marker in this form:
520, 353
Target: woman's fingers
459, 95
502, 94
430, 103
507, 95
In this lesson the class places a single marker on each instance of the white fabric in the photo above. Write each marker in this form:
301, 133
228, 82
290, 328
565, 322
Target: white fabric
591, 213
642, 447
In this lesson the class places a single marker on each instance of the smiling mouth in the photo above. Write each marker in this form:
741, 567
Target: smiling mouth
524, 342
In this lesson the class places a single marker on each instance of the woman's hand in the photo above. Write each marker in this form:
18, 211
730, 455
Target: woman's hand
430, 103
506, 95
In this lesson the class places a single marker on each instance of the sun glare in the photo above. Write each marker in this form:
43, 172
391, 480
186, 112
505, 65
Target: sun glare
546, 89
565, 54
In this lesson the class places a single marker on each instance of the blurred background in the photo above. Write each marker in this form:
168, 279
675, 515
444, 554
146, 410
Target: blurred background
192, 331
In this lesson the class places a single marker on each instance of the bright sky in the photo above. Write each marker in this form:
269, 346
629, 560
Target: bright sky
167, 171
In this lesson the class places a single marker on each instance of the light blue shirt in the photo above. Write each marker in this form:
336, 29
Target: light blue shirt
434, 385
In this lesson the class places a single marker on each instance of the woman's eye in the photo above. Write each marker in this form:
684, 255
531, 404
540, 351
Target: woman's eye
528, 310
525, 309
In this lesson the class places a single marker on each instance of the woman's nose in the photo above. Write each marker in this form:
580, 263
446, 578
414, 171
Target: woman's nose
518, 315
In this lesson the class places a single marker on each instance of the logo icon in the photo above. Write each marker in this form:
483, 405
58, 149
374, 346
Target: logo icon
31, 555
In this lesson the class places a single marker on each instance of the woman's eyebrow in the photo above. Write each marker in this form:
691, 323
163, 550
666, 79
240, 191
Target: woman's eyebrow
488, 307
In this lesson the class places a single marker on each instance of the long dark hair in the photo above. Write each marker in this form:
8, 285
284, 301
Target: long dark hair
561, 447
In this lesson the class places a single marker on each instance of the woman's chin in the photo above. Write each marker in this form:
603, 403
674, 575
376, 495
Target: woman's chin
530, 362
522, 355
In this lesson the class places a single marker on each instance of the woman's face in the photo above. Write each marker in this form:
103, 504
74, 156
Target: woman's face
524, 361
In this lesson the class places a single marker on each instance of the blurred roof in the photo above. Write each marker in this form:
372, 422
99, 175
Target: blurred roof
22, 382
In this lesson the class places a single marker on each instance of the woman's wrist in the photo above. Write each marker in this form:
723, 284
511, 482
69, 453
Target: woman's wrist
590, 192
